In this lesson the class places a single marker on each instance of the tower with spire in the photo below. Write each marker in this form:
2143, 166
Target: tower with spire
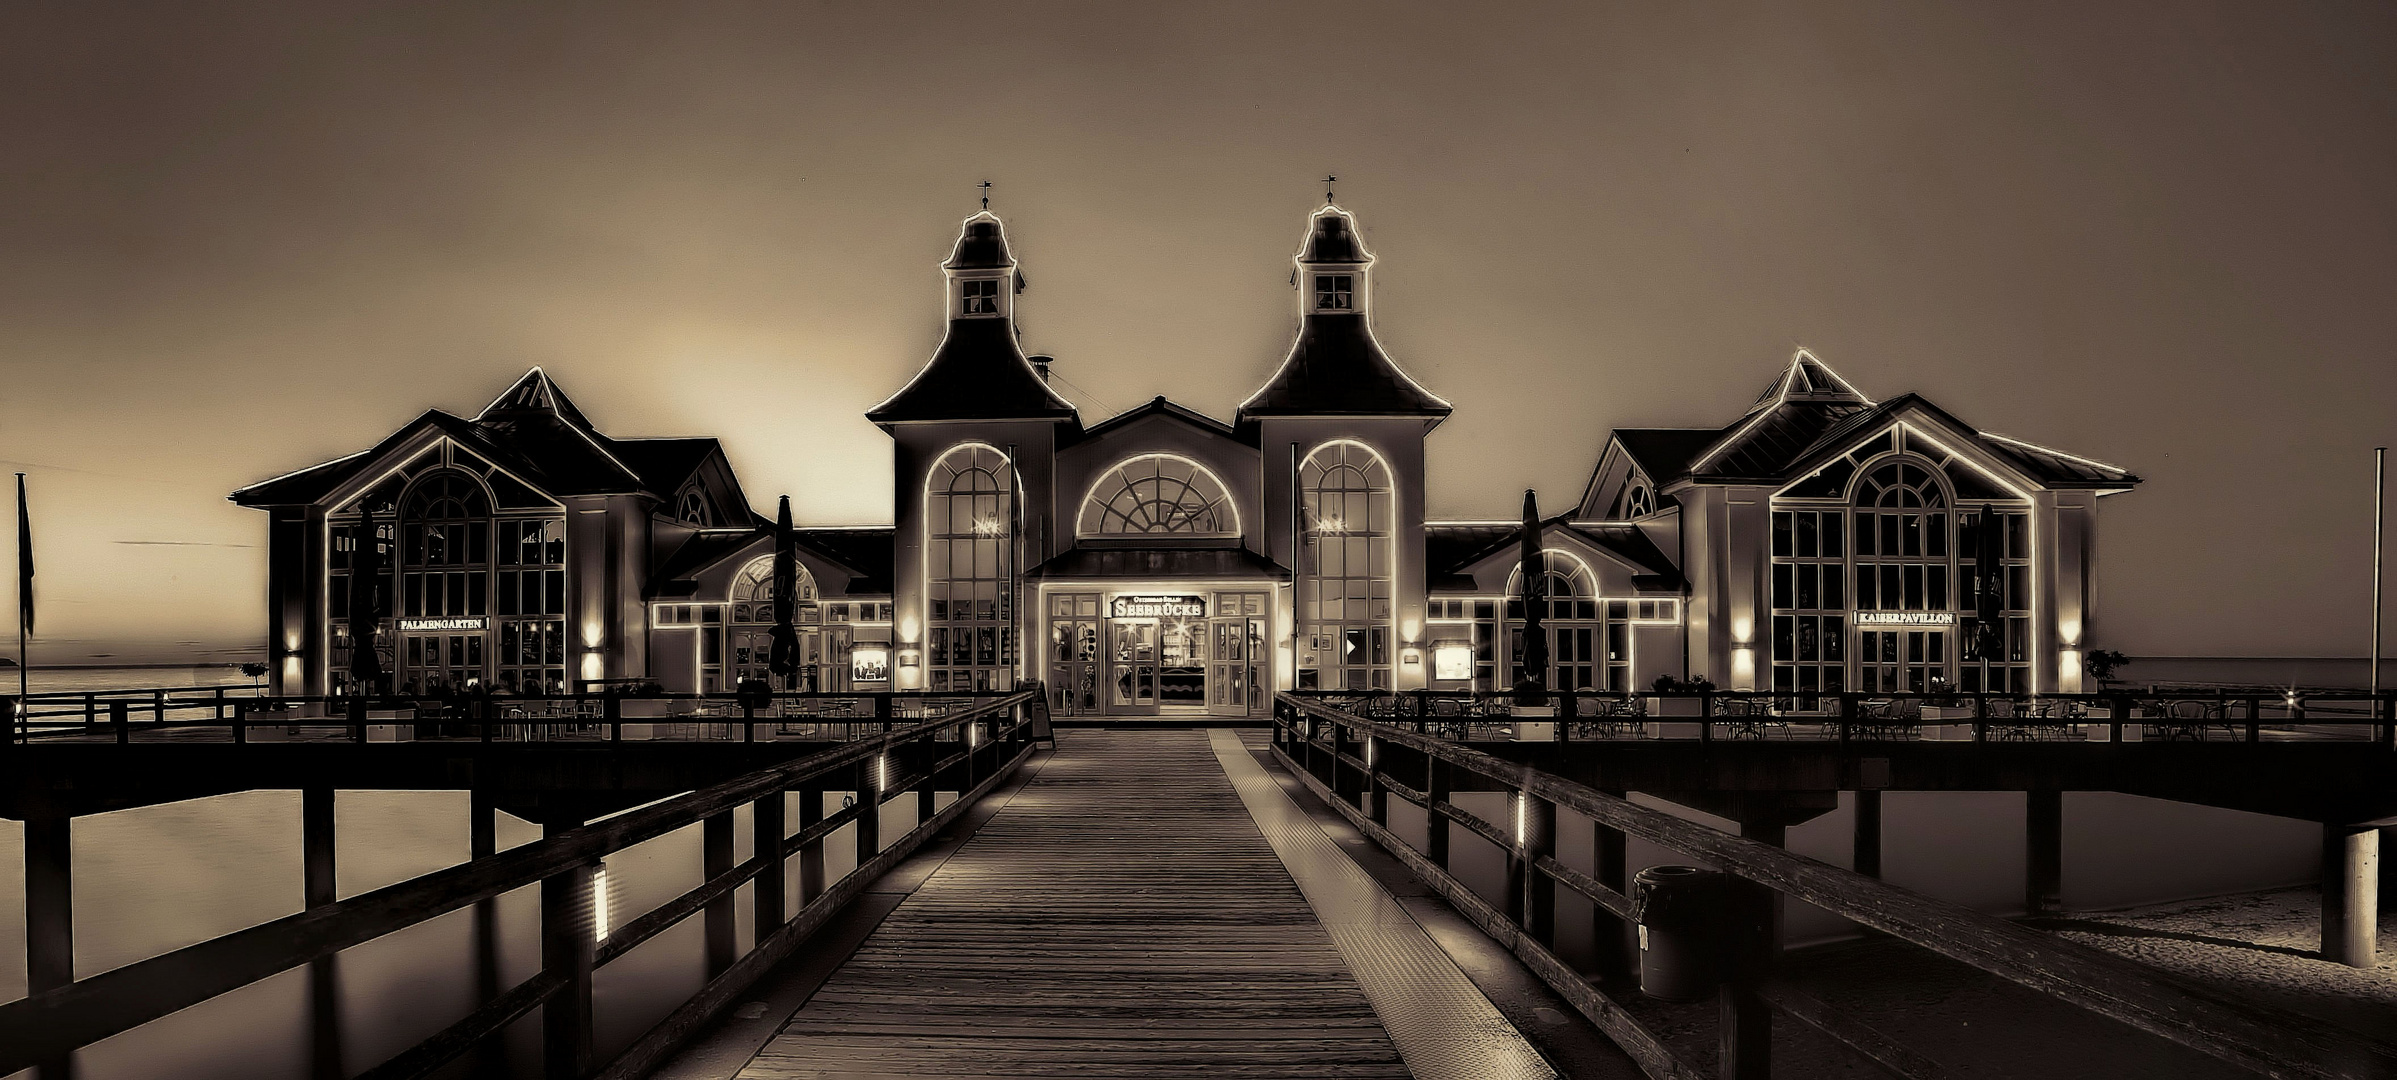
1337, 390
979, 400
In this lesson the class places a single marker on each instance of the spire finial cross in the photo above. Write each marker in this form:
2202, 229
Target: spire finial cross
985, 185
1328, 180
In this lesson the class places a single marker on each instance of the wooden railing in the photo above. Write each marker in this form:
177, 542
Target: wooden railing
968, 750
236, 714
1730, 715
1341, 756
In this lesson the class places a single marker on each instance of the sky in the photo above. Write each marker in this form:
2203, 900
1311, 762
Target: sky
240, 241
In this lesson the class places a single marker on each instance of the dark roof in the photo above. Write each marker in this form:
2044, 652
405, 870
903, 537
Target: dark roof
1161, 562
663, 464
2051, 468
1159, 406
533, 431
865, 553
981, 245
1450, 549
1336, 368
1664, 454
1632, 544
1766, 443
2056, 468
1332, 238
979, 373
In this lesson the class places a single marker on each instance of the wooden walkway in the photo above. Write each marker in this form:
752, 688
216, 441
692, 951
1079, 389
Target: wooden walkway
1121, 916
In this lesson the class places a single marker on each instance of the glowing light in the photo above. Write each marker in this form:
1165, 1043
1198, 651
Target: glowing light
1743, 668
1331, 525
989, 526
599, 903
1452, 660
870, 665
882, 771
1522, 820
594, 666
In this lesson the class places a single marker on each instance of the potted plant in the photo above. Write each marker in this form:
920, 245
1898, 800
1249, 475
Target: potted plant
1681, 697
256, 670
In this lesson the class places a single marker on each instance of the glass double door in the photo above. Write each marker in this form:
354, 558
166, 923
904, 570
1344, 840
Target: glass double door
442, 663
1213, 664
1901, 661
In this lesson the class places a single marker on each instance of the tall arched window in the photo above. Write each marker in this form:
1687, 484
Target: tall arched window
445, 573
1903, 535
1344, 571
1158, 493
969, 571
752, 625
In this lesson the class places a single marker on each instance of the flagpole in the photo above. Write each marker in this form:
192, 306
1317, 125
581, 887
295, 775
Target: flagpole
2380, 487
25, 659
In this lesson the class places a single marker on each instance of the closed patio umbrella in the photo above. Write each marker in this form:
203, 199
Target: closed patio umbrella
366, 574
1532, 688
1989, 590
783, 660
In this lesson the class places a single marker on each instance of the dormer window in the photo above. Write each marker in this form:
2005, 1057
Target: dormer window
1334, 292
979, 297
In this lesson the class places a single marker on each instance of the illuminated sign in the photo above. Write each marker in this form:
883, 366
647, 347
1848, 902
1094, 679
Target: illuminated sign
1157, 607
870, 665
1905, 618
1452, 660
475, 623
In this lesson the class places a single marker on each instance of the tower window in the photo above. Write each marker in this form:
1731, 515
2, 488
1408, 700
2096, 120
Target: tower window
1333, 292
981, 297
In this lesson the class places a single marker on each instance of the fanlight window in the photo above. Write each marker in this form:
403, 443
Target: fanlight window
1900, 484
1156, 494
753, 591
693, 510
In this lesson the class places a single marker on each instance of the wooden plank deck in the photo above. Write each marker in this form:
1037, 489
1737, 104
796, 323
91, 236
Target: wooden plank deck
1121, 916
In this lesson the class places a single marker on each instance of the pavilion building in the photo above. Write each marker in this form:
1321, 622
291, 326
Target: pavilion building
1163, 561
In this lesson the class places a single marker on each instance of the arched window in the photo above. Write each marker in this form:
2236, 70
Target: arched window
1639, 503
1574, 619
969, 571
692, 510
1158, 493
445, 572
1344, 572
752, 624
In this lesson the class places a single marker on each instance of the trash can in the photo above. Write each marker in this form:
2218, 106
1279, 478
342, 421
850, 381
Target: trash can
1679, 910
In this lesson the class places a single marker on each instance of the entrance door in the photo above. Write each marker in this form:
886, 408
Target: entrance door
1901, 661
1182, 664
442, 662
1074, 665
1132, 666
1236, 667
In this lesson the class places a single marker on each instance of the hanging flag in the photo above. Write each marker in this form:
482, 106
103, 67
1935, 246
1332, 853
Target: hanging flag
24, 563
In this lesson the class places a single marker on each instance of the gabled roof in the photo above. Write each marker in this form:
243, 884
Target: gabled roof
533, 431
864, 553
1159, 406
1811, 415
1452, 548
1664, 454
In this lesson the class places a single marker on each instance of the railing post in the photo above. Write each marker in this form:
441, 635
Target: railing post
2255, 720
1706, 717
715, 859
2116, 706
158, 705
766, 836
1339, 778
241, 722
811, 856
883, 710
1532, 892
1435, 824
748, 720
91, 713
1377, 801
49, 914
566, 948
1847, 719
1981, 718
2043, 851
611, 709
118, 722
869, 808
220, 704
1610, 857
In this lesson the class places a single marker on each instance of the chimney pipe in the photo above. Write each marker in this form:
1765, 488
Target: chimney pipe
1040, 365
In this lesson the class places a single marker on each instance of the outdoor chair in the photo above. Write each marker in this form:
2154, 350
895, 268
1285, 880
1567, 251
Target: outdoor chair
1747, 718
1888, 719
